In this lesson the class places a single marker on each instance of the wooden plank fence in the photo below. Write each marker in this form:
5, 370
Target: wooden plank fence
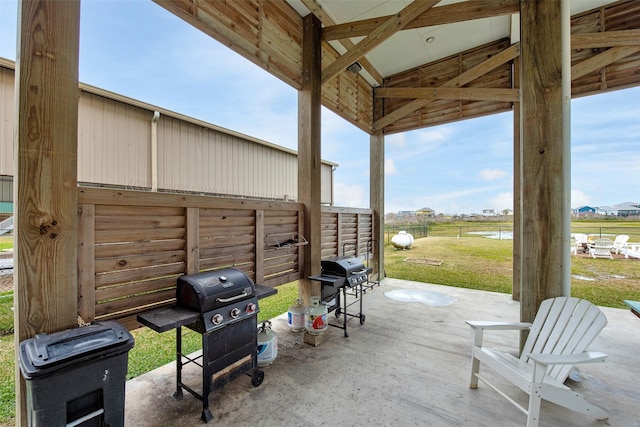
132, 245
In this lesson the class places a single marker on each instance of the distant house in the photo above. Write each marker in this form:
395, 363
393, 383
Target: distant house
584, 211
406, 215
628, 209
425, 212
489, 212
606, 211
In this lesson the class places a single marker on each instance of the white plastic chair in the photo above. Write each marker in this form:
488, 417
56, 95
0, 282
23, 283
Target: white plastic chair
580, 241
620, 243
558, 339
601, 248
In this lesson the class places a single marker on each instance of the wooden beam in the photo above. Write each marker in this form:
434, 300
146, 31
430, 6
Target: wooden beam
388, 28
45, 177
459, 12
327, 20
468, 76
603, 59
309, 155
466, 93
606, 39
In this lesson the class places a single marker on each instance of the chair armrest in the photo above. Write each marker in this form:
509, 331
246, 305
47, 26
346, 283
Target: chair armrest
496, 326
568, 359
479, 326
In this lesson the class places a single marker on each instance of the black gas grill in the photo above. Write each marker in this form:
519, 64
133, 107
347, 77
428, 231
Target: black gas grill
346, 275
222, 305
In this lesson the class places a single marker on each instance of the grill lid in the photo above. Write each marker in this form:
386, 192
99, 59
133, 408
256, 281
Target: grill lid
213, 289
342, 266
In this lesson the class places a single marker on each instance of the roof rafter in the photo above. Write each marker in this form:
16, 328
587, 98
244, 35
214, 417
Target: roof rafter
473, 9
484, 67
466, 93
606, 39
381, 33
602, 60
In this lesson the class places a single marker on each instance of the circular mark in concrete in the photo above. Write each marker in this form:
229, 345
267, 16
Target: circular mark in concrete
431, 298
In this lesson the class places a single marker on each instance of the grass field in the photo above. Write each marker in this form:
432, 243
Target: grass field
470, 262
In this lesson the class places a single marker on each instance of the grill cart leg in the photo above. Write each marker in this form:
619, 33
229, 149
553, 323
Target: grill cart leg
344, 320
178, 394
206, 381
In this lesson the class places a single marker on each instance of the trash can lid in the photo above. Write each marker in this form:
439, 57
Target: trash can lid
46, 352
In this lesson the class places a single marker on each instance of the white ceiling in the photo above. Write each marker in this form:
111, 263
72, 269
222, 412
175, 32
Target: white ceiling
409, 49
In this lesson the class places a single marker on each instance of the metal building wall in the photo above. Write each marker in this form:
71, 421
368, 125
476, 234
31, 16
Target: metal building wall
113, 142
115, 149
199, 159
7, 120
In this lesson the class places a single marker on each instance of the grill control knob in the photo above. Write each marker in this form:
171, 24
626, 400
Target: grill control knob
235, 313
217, 319
251, 308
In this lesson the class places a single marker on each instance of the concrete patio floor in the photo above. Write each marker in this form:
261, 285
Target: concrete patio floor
407, 365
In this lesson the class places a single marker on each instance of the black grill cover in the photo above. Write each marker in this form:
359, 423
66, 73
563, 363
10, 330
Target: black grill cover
213, 289
341, 266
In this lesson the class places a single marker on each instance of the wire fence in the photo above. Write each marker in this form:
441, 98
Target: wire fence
503, 232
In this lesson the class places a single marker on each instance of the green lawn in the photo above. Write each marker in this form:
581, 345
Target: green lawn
486, 264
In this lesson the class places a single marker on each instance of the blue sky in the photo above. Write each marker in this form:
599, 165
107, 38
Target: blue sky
137, 49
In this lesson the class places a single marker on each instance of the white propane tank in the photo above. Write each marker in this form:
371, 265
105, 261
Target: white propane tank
402, 240
295, 316
267, 345
315, 317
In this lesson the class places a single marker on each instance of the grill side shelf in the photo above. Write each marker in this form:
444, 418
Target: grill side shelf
167, 318
264, 291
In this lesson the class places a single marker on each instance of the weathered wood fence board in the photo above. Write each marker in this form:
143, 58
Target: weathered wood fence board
132, 246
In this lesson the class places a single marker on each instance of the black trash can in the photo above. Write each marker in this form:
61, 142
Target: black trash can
76, 377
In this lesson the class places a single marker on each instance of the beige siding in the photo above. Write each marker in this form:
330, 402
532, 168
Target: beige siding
114, 142
115, 146
6, 118
194, 158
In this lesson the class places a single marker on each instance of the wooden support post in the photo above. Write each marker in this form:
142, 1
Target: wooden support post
259, 268
45, 186
192, 240
545, 152
376, 202
517, 189
309, 156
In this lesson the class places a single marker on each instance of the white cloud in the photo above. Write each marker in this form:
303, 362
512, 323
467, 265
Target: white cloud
579, 198
398, 139
501, 202
390, 167
492, 174
439, 134
350, 195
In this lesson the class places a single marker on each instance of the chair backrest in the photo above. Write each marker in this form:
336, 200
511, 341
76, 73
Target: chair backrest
620, 240
580, 238
563, 325
603, 243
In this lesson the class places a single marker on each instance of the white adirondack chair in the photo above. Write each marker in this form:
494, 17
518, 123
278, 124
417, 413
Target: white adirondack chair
601, 248
632, 251
620, 243
580, 240
558, 338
